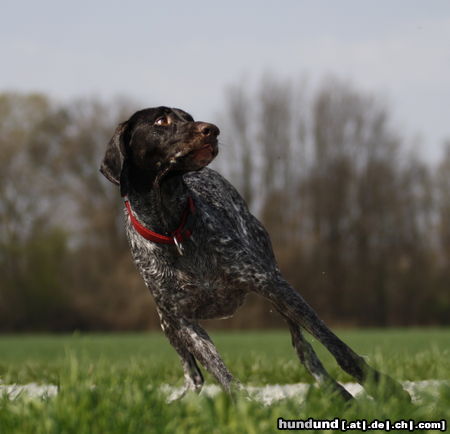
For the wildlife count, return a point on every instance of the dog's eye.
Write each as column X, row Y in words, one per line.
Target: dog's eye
column 162, row 121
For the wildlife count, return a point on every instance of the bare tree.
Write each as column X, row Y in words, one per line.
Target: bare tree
column 359, row 225
column 349, row 211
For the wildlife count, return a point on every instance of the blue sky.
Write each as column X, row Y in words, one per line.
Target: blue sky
column 184, row 54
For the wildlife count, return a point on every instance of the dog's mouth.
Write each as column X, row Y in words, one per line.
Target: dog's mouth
column 194, row 156
column 202, row 155
column 206, row 152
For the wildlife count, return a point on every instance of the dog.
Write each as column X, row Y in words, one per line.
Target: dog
column 200, row 251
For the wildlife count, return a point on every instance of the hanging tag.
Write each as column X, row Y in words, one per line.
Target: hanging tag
column 178, row 245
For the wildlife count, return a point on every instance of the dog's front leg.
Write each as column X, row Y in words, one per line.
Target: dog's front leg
column 192, row 374
column 197, row 346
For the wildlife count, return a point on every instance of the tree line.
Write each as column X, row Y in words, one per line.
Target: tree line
column 359, row 224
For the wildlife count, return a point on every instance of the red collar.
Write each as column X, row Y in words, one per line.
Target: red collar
column 183, row 232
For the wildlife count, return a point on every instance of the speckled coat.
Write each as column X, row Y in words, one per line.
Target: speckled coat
column 228, row 255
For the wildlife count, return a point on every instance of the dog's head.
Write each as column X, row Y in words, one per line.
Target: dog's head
column 160, row 139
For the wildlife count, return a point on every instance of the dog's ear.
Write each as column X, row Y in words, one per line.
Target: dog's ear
column 113, row 161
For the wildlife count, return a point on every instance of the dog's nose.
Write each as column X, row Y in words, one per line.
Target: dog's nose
column 207, row 129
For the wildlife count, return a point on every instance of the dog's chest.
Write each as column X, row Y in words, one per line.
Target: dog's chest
column 197, row 283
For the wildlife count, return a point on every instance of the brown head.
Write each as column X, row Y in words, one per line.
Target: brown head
column 157, row 141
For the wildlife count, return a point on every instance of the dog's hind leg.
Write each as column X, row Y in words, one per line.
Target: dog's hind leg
column 312, row 363
column 293, row 306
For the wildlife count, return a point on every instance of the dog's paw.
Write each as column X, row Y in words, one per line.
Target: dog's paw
column 176, row 393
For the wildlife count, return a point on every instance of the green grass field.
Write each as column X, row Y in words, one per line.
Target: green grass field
column 111, row 383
